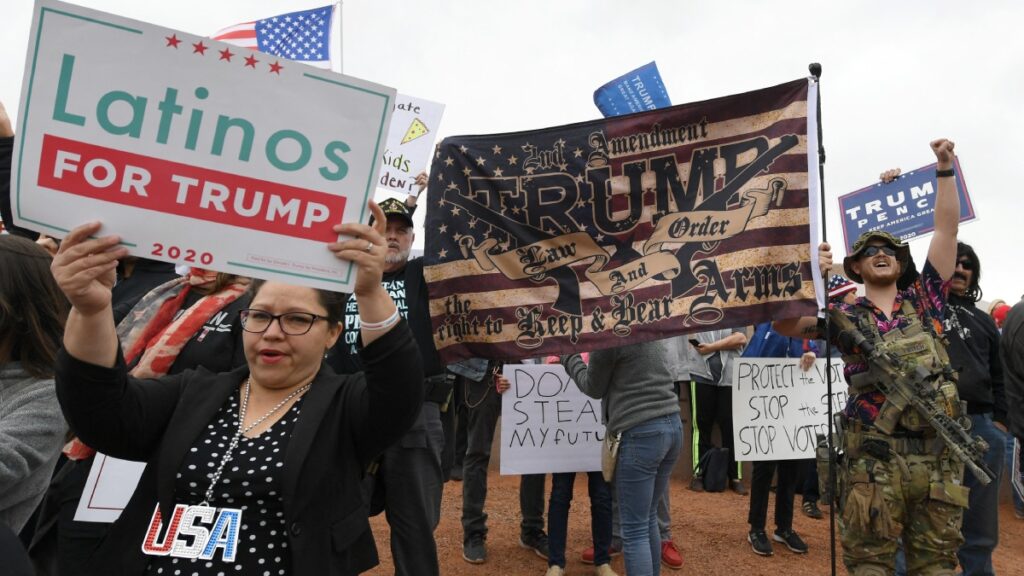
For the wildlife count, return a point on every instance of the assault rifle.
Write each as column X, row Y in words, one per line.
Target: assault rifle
column 907, row 386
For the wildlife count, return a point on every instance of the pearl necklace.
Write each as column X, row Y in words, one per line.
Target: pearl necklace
column 240, row 431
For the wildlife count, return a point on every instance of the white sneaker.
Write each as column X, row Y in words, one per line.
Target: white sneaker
column 604, row 570
column 555, row 570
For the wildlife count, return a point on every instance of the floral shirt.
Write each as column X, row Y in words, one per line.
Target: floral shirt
column 928, row 295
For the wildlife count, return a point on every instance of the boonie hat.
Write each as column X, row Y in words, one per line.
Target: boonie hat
column 902, row 252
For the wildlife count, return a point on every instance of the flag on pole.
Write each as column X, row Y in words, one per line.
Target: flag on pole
column 302, row 36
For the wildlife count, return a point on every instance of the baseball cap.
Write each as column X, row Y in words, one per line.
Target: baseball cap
column 393, row 207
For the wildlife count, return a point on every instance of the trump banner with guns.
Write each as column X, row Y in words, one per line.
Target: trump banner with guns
column 626, row 229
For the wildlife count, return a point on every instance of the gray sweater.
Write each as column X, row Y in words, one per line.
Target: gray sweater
column 31, row 434
column 634, row 382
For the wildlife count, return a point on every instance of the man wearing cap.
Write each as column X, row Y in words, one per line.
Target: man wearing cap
column 409, row 480
column 896, row 486
column 974, row 353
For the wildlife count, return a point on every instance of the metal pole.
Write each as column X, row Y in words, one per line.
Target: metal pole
column 815, row 70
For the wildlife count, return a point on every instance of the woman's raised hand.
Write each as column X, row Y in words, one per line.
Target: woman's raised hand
column 84, row 268
column 366, row 249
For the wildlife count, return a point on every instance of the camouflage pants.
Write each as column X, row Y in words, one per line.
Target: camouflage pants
column 916, row 497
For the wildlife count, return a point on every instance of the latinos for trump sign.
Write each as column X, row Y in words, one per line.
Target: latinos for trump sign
column 633, row 228
column 779, row 410
column 904, row 207
column 193, row 151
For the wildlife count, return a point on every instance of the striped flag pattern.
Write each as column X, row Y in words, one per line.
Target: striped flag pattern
column 302, row 36
column 622, row 230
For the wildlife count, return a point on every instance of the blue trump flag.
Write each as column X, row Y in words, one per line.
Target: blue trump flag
column 636, row 91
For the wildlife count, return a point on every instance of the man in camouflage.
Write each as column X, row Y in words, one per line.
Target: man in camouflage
column 893, row 485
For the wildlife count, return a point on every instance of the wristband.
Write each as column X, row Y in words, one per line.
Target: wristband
column 384, row 325
column 944, row 173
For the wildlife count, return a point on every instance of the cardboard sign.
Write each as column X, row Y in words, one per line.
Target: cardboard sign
column 904, row 207
column 778, row 409
column 194, row 151
column 108, row 489
column 547, row 424
column 410, row 144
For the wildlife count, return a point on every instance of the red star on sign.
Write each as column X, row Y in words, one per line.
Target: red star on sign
column 276, row 68
column 173, row 40
column 226, row 54
column 199, row 47
column 251, row 61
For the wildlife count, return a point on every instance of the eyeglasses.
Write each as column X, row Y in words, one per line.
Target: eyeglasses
column 965, row 264
column 873, row 250
column 291, row 323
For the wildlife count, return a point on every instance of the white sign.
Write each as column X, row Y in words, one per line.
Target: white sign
column 194, row 151
column 547, row 424
column 778, row 409
column 108, row 489
column 410, row 144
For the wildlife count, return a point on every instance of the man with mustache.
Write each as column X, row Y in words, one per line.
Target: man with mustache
column 897, row 481
column 409, row 479
column 974, row 353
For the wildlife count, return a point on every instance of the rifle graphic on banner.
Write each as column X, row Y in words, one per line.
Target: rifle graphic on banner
column 642, row 226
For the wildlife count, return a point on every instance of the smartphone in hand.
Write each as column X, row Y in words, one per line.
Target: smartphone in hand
column 694, row 342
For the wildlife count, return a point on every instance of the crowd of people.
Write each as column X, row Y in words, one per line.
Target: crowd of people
column 275, row 420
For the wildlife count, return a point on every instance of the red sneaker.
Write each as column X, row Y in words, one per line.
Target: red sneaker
column 670, row 555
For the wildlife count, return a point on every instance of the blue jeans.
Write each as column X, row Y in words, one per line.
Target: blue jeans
column 600, row 516
column 646, row 457
column 981, row 519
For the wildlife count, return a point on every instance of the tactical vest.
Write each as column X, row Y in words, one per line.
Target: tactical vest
column 915, row 346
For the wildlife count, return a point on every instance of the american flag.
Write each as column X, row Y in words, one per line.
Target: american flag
column 301, row 36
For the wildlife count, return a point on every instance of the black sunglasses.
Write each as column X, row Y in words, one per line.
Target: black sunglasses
column 873, row 250
column 965, row 264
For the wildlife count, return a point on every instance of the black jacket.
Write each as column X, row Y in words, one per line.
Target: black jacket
column 344, row 423
column 974, row 354
column 6, row 151
column 1012, row 345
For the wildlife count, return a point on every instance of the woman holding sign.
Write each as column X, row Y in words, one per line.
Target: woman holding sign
column 252, row 471
column 635, row 385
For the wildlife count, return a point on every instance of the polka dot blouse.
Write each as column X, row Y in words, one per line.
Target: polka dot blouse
column 252, row 481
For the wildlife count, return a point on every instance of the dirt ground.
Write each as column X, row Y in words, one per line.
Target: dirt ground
column 710, row 530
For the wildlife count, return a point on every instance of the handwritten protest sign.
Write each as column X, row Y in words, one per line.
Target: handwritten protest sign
column 625, row 229
column 904, row 207
column 108, row 489
column 410, row 143
column 778, row 409
column 194, row 151
column 547, row 424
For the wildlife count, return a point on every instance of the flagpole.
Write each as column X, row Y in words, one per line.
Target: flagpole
column 815, row 70
column 340, row 69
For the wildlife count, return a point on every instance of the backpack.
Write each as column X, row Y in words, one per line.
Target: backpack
column 714, row 467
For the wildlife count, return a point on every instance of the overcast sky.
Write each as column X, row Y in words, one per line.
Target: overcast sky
column 896, row 75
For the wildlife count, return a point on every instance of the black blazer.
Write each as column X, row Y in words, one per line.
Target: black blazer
column 345, row 422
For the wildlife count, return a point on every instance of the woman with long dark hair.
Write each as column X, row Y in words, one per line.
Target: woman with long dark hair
column 32, row 314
